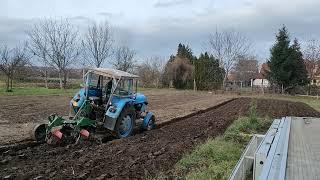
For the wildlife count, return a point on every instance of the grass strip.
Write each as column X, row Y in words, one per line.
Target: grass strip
column 216, row 158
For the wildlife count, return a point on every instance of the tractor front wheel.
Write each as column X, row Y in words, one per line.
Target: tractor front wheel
column 125, row 123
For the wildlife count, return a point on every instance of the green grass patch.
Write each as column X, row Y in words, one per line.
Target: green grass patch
column 36, row 91
column 212, row 160
column 216, row 158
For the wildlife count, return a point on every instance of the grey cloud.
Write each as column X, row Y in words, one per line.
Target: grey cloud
column 13, row 31
column 108, row 14
column 259, row 21
column 169, row 3
column 80, row 18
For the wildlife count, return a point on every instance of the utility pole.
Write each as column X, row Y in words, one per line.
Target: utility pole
column 83, row 71
column 194, row 78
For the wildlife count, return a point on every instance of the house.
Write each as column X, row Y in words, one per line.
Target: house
column 260, row 80
column 257, row 79
column 313, row 70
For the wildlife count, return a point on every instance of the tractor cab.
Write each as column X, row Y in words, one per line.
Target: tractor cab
column 105, row 86
column 111, row 94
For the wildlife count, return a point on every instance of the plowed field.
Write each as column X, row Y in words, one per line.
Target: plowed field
column 139, row 156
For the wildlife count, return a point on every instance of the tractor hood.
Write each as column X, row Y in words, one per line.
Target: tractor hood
column 137, row 99
column 141, row 98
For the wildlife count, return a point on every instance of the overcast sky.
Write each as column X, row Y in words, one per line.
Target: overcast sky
column 155, row 27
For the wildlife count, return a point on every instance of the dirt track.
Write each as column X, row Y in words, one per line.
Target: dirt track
column 18, row 114
column 141, row 155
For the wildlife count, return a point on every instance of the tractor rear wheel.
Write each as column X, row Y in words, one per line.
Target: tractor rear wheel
column 125, row 123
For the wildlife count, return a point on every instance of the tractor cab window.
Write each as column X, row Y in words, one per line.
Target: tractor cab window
column 108, row 87
column 124, row 87
column 94, row 86
column 94, row 81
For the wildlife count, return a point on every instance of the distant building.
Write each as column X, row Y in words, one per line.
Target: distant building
column 313, row 70
column 260, row 80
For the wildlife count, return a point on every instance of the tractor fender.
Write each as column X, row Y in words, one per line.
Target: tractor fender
column 112, row 116
column 148, row 117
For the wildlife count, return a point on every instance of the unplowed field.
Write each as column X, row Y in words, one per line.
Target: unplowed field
column 139, row 156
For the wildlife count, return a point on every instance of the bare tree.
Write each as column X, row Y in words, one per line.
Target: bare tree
column 246, row 68
column 124, row 59
column 312, row 58
column 97, row 43
column 227, row 46
column 150, row 71
column 11, row 61
column 55, row 42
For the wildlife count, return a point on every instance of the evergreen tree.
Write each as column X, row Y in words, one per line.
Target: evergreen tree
column 286, row 63
column 185, row 52
column 299, row 74
column 279, row 55
column 208, row 73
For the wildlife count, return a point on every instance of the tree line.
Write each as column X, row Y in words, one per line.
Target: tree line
column 186, row 71
column 289, row 67
column 211, row 69
column 58, row 44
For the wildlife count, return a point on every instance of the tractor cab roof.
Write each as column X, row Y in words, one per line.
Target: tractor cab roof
column 113, row 73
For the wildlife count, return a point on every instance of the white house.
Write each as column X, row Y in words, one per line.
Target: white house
column 261, row 83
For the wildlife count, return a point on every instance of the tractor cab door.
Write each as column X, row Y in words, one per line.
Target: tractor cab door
column 94, row 85
column 108, row 88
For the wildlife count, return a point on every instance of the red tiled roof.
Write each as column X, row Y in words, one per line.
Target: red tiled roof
column 232, row 76
column 264, row 69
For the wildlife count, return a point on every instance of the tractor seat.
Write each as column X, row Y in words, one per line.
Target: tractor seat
column 94, row 98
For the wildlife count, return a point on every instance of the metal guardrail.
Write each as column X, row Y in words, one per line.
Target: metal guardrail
column 276, row 161
column 267, row 156
column 262, row 151
column 246, row 161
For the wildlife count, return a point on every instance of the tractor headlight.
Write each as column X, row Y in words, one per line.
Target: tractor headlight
column 113, row 109
column 74, row 103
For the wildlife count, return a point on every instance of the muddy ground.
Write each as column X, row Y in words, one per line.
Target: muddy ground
column 18, row 114
column 140, row 156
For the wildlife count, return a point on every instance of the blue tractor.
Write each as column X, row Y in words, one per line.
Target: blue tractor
column 107, row 103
